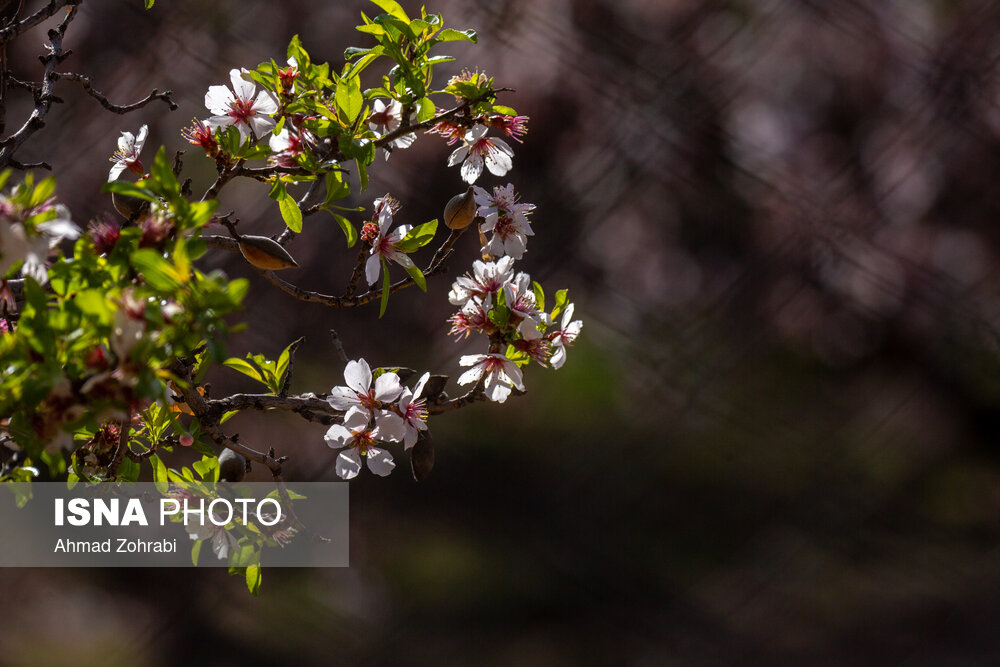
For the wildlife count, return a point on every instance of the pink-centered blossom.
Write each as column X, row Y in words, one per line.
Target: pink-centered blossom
column 521, row 300
column 568, row 330
column 414, row 412
column 356, row 438
column 384, row 243
column 127, row 155
column 386, row 119
column 500, row 373
column 506, row 219
column 251, row 115
column 474, row 316
column 478, row 150
column 361, row 394
column 487, row 279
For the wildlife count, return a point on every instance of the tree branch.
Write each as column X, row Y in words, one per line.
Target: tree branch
column 115, row 108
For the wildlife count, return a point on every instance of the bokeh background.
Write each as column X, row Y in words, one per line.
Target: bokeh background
column 776, row 441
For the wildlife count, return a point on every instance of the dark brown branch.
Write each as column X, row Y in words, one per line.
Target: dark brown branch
column 40, row 16
column 45, row 96
column 436, row 266
column 116, row 108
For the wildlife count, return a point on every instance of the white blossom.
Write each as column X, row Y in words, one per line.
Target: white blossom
column 386, row 119
column 384, row 243
column 569, row 329
column 414, row 410
column 361, row 394
column 251, row 116
column 477, row 149
column 487, row 279
column 501, row 374
column 127, row 155
column 356, row 438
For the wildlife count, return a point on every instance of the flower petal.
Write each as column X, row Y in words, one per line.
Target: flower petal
column 472, row 168
column 337, row 436
column 387, row 387
column 358, row 375
column 348, row 463
column 373, row 267
column 218, row 99
column 390, row 426
column 379, row 461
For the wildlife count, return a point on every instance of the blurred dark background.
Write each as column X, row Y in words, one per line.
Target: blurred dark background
column 776, row 441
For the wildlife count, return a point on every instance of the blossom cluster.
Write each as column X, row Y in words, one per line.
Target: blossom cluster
column 506, row 306
column 377, row 410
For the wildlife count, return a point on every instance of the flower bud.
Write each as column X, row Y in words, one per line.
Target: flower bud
column 460, row 210
column 232, row 466
column 131, row 208
column 265, row 253
column 187, row 440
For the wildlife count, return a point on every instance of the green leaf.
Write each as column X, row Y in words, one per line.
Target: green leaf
column 253, row 579
column 385, row 289
column 501, row 109
column 349, row 98
column 128, row 470
column 244, row 367
column 425, row 109
column 393, row 8
column 130, row 189
column 562, row 298
column 450, row 35
column 162, row 174
column 336, row 187
column 539, row 294
column 349, row 230
column 157, row 272
column 160, row 476
column 290, row 211
column 418, row 237
column 207, row 468
column 418, row 277
column 195, row 552
column 149, row 3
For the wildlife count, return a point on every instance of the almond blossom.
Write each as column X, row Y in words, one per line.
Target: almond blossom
column 487, row 279
column 506, row 218
column 501, row 374
column 251, row 116
column 477, row 149
column 474, row 316
column 521, row 300
column 569, row 329
column 384, row 243
column 127, row 155
column 362, row 395
column 356, row 438
column 414, row 411
column 387, row 119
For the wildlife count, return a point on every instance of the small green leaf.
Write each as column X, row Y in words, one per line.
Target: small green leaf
column 195, row 552
column 349, row 98
column 244, row 367
column 253, row 579
column 539, row 294
column 349, row 231
column 418, row 277
column 160, row 476
column 290, row 211
column 450, row 35
column 418, row 237
column 385, row 289
column 392, row 7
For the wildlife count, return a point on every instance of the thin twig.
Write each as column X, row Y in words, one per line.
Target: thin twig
column 116, row 108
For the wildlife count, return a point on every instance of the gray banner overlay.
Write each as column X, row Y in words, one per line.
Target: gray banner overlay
column 153, row 525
